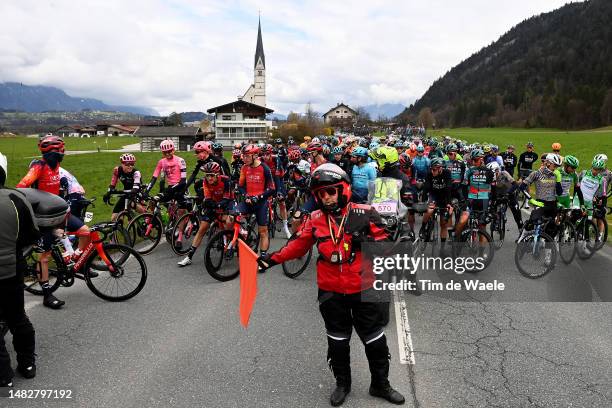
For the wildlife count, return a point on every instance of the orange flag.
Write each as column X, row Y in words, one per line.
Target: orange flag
column 248, row 281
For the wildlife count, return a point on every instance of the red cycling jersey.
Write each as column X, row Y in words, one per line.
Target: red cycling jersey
column 256, row 180
column 174, row 169
column 350, row 276
column 219, row 191
column 42, row 177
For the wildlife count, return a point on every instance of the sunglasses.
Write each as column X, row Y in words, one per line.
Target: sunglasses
column 211, row 175
column 128, row 164
column 556, row 151
column 330, row 191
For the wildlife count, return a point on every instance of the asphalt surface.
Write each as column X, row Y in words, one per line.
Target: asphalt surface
column 538, row 343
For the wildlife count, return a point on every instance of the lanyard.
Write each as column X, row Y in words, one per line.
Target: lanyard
column 336, row 237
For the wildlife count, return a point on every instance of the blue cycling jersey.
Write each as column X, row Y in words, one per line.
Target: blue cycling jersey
column 420, row 165
column 360, row 178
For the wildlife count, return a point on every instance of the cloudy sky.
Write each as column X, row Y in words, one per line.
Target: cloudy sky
column 184, row 55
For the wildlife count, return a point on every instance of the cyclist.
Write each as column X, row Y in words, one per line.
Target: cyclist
column 298, row 175
column 217, row 149
column 455, row 164
column 420, row 164
column 236, row 165
column 361, row 174
column 438, row 188
column 556, row 149
column 480, row 182
column 174, row 169
column 339, row 160
column 315, row 149
column 72, row 191
column 509, row 159
column 130, row 178
column 525, row 163
column 44, row 175
column 275, row 164
column 593, row 191
column 569, row 179
column 204, row 153
column 256, row 185
column 338, row 229
column 547, row 182
column 505, row 185
column 218, row 195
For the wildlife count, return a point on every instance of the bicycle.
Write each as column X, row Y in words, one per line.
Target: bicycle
column 475, row 240
column 534, row 245
column 430, row 233
column 222, row 251
column 566, row 234
column 295, row 267
column 498, row 221
column 118, row 266
column 145, row 230
column 587, row 235
column 188, row 225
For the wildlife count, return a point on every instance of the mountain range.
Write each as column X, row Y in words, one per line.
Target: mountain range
column 20, row 97
column 385, row 110
column 551, row 70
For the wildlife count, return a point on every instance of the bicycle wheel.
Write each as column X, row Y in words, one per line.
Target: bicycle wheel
column 602, row 238
column 31, row 276
column 498, row 229
column 145, row 232
column 476, row 244
column 434, row 236
column 186, row 227
column 221, row 262
column 586, row 235
column 295, row 267
column 127, row 279
column 535, row 258
column 121, row 235
column 566, row 238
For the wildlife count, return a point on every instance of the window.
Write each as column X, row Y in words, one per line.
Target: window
column 338, row 111
column 228, row 117
column 345, row 111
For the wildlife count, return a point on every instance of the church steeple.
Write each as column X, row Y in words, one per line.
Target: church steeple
column 259, row 51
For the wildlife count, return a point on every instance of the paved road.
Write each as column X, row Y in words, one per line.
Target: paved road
column 179, row 343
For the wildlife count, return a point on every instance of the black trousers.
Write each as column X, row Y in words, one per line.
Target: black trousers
column 360, row 310
column 13, row 314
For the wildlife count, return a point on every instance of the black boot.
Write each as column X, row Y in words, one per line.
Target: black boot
column 27, row 371
column 339, row 360
column 49, row 300
column 378, row 356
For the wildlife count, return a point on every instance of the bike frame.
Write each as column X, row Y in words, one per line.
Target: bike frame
column 94, row 245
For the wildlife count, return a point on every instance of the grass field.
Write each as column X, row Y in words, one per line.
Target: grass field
column 94, row 170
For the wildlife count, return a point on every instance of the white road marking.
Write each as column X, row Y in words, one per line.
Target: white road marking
column 404, row 336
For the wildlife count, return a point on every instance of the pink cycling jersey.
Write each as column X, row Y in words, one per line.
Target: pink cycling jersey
column 174, row 169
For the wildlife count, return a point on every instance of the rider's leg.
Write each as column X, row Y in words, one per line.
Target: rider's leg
column 261, row 213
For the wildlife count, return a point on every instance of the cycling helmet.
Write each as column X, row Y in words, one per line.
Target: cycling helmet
column 294, row 154
column 436, row 162
column 236, row 146
column 202, row 146
column 529, row 144
column 493, row 166
column 211, row 167
column 166, row 146
column 399, row 144
column 554, row 159
column 601, row 157
column 487, row 149
column 51, row 143
column 476, row 153
column 373, row 145
column 451, row 148
column 598, row 164
column 413, row 147
column 330, row 175
column 236, row 153
column 316, row 140
column 571, row 161
column 337, row 150
column 278, row 141
column 127, row 158
column 363, row 142
column 556, row 146
column 420, row 149
column 405, row 160
column 307, row 139
column 315, row 147
column 360, row 152
column 217, row 146
column 250, row 149
column 266, row 149
column 440, row 145
column 495, row 148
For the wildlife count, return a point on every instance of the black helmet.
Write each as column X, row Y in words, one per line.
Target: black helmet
column 331, row 175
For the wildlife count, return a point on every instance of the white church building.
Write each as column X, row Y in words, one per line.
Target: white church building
column 245, row 118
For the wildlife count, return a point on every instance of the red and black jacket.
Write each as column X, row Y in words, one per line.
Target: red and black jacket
column 362, row 223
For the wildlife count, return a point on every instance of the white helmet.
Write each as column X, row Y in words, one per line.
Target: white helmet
column 315, row 140
column 601, row 157
column 493, row 166
column 554, row 159
column 4, row 166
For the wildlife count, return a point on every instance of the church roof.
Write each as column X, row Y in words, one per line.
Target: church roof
column 259, row 51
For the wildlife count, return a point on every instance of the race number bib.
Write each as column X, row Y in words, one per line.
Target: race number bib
column 385, row 208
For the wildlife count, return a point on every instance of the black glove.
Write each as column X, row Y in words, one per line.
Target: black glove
column 106, row 198
column 265, row 262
